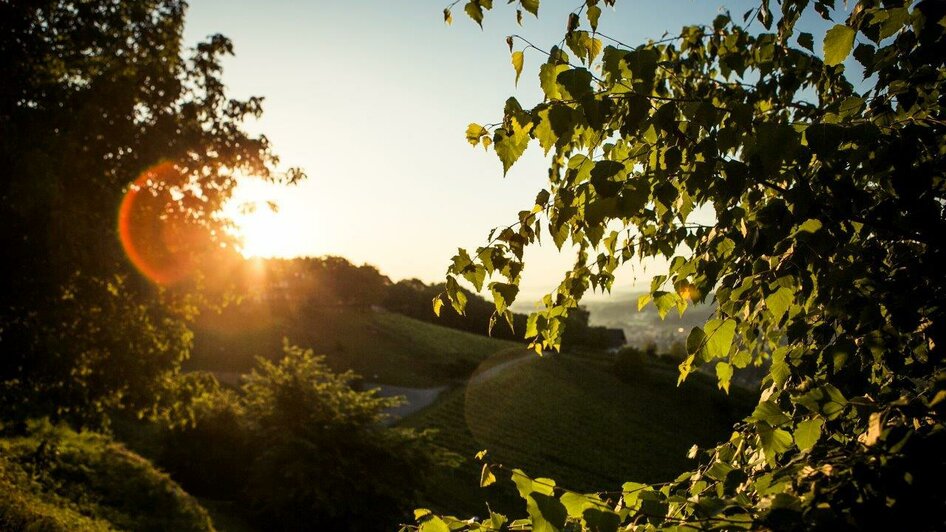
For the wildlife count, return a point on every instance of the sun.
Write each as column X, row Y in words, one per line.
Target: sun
column 264, row 233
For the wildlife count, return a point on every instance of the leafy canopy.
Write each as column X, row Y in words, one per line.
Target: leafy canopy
column 823, row 262
column 99, row 99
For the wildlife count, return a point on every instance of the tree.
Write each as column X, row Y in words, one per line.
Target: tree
column 117, row 151
column 824, row 259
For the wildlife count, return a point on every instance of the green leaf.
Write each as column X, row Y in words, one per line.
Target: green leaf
column 486, row 476
column 806, row 40
column 517, row 59
column 497, row 521
column 474, row 11
column 770, row 413
column 576, row 83
column 724, row 375
column 838, row 42
column 810, row 225
column 503, row 295
column 532, row 6
column 601, row 519
column 510, row 146
column 778, row 302
column 807, row 433
column 773, row 441
column 593, row 13
column 434, row 524
column 664, row 301
column 825, row 400
column 719, row 338
column 474, row 132
column 548, row 79
column 601, row 178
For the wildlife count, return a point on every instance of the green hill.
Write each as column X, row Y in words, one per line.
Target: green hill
column 55, row 479
column 383, row 347
column 571, row 419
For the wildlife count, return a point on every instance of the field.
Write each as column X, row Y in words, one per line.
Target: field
column 568, row 418
column 383, row 347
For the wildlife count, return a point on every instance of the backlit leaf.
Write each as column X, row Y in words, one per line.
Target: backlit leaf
column 838, row 42
column 517, row 59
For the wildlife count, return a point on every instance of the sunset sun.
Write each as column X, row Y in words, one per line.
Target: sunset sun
column 263, row 232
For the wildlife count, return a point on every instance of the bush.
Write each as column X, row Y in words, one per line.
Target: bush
column 300, row 448
column 630, row 363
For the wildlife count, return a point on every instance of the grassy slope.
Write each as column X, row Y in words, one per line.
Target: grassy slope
column 570, row 419
column 383, row 347
column 58, row 480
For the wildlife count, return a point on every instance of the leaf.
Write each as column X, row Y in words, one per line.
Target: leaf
column 517, row 59
column 532, row 6
column 773, row 441
column 503, row 295
column 724, row 375
column 486, row 476
column 664, row 301
column 548, row 79
column 807, row 433
column 438, row 304
column 643, row 300
column 497, row 521
column 420, row 513
column 510, row 146
column 474, row 11
column 601, row 178
column 576, row 82
column 473, row 133
column 593, row 13
column 810, row 225
column 719, row 338
column 770, row 413
column 806, row 40
column 434, row 524
column 825, row 400
column 838, row 42
column 447, row 16
column 778, row 302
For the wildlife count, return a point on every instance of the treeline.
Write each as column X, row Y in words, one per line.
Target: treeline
column 294, row 285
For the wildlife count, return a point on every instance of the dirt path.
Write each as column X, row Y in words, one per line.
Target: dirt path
column 417, row 399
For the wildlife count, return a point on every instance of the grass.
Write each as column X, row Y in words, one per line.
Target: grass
column 383, row 347
column 56, row 479
column 570, row 419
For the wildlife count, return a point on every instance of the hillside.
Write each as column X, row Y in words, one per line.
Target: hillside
column 55, row 479
column 383, row 347
column 569, row 418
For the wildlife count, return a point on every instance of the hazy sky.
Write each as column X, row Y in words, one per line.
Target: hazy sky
column 372, row 99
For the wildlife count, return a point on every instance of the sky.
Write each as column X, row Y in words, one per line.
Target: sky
column 372, row 99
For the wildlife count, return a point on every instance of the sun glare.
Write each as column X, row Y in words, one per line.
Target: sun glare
column 264, row 234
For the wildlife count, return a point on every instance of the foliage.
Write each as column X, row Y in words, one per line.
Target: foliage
column 53, row 478
column 99, row 102
column 300, row 449
column 824, row 258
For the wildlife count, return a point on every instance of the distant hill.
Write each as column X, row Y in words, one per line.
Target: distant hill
column 645, row 326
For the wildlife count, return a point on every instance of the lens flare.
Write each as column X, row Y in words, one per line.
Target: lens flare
column 155, row 231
